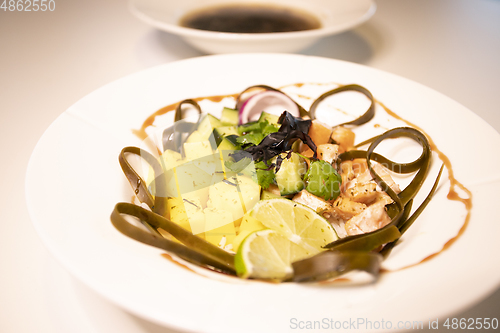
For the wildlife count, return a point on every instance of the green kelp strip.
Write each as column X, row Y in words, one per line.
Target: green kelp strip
column 358, row 252
column 330, row 264
column 178, row 110
column 174, row 136
column 193, row 248
column 364, row 118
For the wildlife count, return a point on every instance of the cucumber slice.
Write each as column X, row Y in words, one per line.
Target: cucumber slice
column 196, row 136
column 227, row 144
column 266, row 195
column 229, row 117
column 233, row 139
column 271, row 118
column 207, row 125
column 289, row 176
column 223, row 131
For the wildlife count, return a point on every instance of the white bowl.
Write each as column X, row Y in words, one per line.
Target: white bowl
column 335, row 16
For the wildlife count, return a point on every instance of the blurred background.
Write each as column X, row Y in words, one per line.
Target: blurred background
column 51, row 59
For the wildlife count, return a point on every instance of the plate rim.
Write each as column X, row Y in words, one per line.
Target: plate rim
column 63, row 260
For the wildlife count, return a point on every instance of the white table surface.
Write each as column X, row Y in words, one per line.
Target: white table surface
column 49, row 60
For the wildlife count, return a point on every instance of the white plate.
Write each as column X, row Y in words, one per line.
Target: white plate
column 74, row 180
column 336, row 16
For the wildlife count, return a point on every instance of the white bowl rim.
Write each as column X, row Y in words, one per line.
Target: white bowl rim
column 313, row 33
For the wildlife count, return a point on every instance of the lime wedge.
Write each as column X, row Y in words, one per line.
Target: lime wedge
column 296, row 222
column 264, row 254
column 295, row 232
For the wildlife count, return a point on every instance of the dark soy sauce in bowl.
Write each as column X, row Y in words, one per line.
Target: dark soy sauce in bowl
column 250, row 18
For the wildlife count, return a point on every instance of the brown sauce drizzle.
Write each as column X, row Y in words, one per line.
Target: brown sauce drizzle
column 452, row 193
column 141, row 133
column 380, row 126
column 169, row 258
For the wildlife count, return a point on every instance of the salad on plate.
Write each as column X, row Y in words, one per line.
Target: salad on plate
column 270, row 190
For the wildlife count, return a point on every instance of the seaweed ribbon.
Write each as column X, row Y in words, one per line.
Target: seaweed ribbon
column 364, row 118
column 360, row 248
column 195, row 249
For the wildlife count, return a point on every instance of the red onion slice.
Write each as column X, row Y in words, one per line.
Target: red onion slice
column 272, row 102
